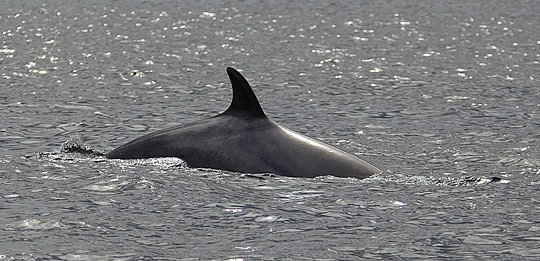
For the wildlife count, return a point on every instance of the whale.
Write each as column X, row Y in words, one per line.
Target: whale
column 243, row 139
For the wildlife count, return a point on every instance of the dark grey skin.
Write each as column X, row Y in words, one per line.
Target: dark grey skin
column 243, row 139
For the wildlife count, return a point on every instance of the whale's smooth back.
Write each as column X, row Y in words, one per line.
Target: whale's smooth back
column 243, row 139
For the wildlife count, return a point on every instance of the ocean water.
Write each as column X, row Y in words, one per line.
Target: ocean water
column 443, row 97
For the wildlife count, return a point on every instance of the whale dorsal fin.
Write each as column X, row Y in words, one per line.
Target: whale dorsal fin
column 244, row 102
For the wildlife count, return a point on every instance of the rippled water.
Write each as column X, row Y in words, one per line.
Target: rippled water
column 443, row 97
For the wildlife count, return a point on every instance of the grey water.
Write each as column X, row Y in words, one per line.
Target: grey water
column 443, row 97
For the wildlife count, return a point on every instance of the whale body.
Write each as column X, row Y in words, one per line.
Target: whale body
column 243, row 139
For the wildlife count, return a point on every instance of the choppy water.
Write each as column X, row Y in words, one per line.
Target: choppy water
column 443, row 97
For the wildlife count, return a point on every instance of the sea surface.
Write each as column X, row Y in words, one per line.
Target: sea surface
column 444, row 97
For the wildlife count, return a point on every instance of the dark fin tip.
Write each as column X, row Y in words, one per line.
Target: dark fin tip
column 244, row 102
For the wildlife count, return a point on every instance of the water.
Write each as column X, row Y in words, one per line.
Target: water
column 443, row 97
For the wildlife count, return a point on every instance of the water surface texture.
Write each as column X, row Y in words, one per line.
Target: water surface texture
column 444, row 98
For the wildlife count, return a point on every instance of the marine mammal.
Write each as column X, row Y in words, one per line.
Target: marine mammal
column 243, row 139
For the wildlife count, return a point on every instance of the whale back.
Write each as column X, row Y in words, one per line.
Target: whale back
column 243, row 139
